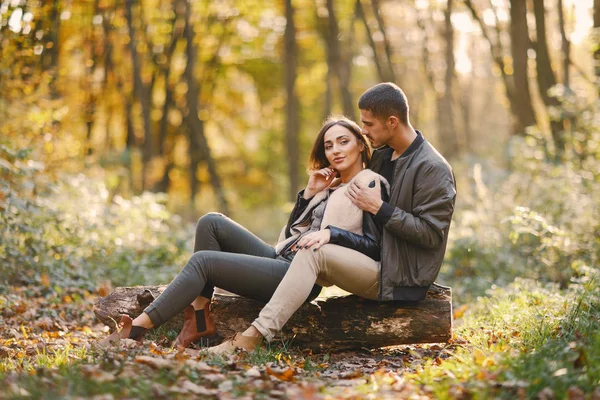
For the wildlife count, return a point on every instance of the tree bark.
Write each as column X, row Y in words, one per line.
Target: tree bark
column 360, row 12
column 339, row 64
column 163, row 150
column 142, row 93
column 198, row 145
column 565, row 46
column 497, row 52
column 597, row 44
column 323, row 325
column 446, row 122
column 447, row 136
column 545, row 75
column 390, row 74
column 292, row 123
column 519, row 36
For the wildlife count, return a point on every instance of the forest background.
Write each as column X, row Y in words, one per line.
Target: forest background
column 122, row 122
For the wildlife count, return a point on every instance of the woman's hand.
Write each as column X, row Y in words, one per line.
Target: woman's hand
column 314, row 240
column 319, row 180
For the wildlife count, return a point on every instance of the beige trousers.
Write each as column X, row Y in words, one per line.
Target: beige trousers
column 330, row 265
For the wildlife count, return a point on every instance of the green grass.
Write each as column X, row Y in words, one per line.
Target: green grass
column 520, row 340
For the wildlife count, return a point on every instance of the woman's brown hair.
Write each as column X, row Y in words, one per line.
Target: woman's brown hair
column 318, row 160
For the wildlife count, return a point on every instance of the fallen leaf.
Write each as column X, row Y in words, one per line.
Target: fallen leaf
column 357, row 373
column 45, row 280
column 154, row 362
column 286, row 375
column 545, row 394
column 253, row 373
column 575, row 393
column 197, row 389
column 200, row 365
column 226, row 386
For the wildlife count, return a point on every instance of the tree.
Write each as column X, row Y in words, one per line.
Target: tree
column 142, row 92
column 292, row 123
column 446, row 128
column 339, row 66
column 519, row 38
column 198, row 146
column 545, row 74
column 597, row 44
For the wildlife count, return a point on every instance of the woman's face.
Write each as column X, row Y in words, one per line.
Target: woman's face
column 342, row 148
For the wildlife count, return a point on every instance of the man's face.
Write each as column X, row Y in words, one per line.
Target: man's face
column 374, row 129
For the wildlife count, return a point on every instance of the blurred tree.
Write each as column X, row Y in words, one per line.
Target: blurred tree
column 141, row 89
column 597, row 43
column 339, row 66
column 198, row 146
column 520, row 43
column 443, row 88
column 565, row 46
column 381, row 72
column 165, row 142
column 292, row 124
column 390, row 74
column 545, row 75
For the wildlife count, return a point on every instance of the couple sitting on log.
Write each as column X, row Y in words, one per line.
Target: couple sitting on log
column 380, row 233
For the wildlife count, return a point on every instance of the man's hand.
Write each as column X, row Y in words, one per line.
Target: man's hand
column 366, row 198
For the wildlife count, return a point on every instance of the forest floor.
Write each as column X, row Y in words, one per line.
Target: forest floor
column 47, row 350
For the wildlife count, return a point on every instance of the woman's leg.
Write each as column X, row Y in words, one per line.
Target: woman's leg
column 215, row 231
column 346, row 268
column 343, row 267
column 249, row 276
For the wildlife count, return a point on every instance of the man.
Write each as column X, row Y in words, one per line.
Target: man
column 417, row 217
column 416, row 221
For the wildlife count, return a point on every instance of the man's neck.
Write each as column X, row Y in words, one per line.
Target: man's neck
column 402, row 140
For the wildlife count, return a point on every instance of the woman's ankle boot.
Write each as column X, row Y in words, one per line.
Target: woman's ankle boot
column 196, row 325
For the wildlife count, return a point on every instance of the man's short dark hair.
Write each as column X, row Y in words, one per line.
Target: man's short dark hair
column 384, row 100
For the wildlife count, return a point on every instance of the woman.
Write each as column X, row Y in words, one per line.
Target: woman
column 228, row 256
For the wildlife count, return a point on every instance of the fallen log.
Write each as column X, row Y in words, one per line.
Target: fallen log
column 324, row 324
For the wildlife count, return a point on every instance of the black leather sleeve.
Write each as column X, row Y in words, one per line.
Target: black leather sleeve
column 364, row 244
column 299, row 207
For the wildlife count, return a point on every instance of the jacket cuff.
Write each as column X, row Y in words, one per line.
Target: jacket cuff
column 385, row 212
column 334, row 234
column 301, row 200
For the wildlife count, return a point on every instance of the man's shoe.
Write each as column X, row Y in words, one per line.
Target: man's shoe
column 189, row 332
column 239, row 341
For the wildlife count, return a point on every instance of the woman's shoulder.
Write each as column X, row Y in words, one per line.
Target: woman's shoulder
column 366, row 176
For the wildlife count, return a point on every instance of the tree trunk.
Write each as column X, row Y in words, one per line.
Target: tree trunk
column 545, row 75
column 292, row 123
column 390, row 74
column 198, row 145
column 361, row 14
column 323, row 325
column 142, row 93
column 339, row 64
column 108, row 75
column 163, row 149
column 565, row 46
column 466, row 94
column 497, row 52
column 519, row 36
column 447, row 128
column 597, row 44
